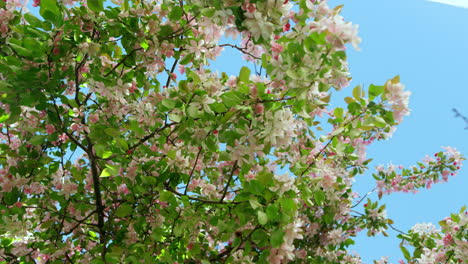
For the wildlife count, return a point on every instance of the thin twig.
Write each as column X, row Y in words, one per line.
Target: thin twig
column 198, row 199
column 364, row 197
column 234, row 167
column 193, row 169
column 122, row 61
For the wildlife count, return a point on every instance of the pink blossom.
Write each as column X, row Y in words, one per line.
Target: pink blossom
column 232, row 81
column 448, row 240
column 276, row 48
column 259, row 108
column 94, row 118
column 181, row 68
column 123, row 189
column 63, row 138
column 75, row 127
column 36, row 3
column 133, row 88
column 50, row 129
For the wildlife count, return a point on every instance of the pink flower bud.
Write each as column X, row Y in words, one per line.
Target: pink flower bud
column 75, row 127
column 276, row 48
column 259, row 108
column 94, row 118
column 50, row 129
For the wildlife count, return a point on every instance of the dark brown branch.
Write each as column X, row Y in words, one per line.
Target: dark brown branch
column 122, row 61
column 191, row 172
column 97, row 195
column 234, row 167
column 198, row 199
column 171, row 72
column 243, row 50
column 147, row 137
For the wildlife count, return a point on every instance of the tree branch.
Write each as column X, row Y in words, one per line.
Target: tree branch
column 122, row 61
column 234, row 167
column 198, row 199
column 98, row 198
column 191, row 172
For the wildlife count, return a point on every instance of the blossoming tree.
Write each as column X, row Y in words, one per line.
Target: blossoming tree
column 120, row 144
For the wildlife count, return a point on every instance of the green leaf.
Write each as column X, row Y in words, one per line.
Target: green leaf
column 172, row 154
column 105, row 173
column 31, row 44
column 186, row 59
column 37, row 140
column 193, row 111
column 244, row 74
column 165, row 31
column 358, row 93
column 293, row 74
column 122, row 143
column 124, row 210
column 4, row 118
column 102, row 151
column 319, row 197
column 379, row 121
column 218, row 107
column 231, row 99
column 339, row 112
column 113, row 132
column 4, row 86
column 349, row 100
column 254, row 203
column 110, row 170
column 208, row 12
column 50, row 11
column 260, row 237
column 288, row 204
column 175, row 118
column 262, row 217
column 21, row 50
column 406, row 253
column 176, row 13
column 95, row 5
column 375, row 90
column 277, row 238
column 144, row 45
column 33, row 20
column 168, row 103
column 354, row 108
column 165, row 196
column 272, row 212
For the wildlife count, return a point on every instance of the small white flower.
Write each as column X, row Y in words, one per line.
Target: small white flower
column 424, row 229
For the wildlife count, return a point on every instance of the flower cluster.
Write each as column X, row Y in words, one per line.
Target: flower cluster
column 424, row 175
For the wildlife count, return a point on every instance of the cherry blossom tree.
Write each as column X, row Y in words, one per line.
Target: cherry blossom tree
column 120, row 143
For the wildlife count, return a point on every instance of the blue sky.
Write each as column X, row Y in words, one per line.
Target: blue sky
column 426, row 43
